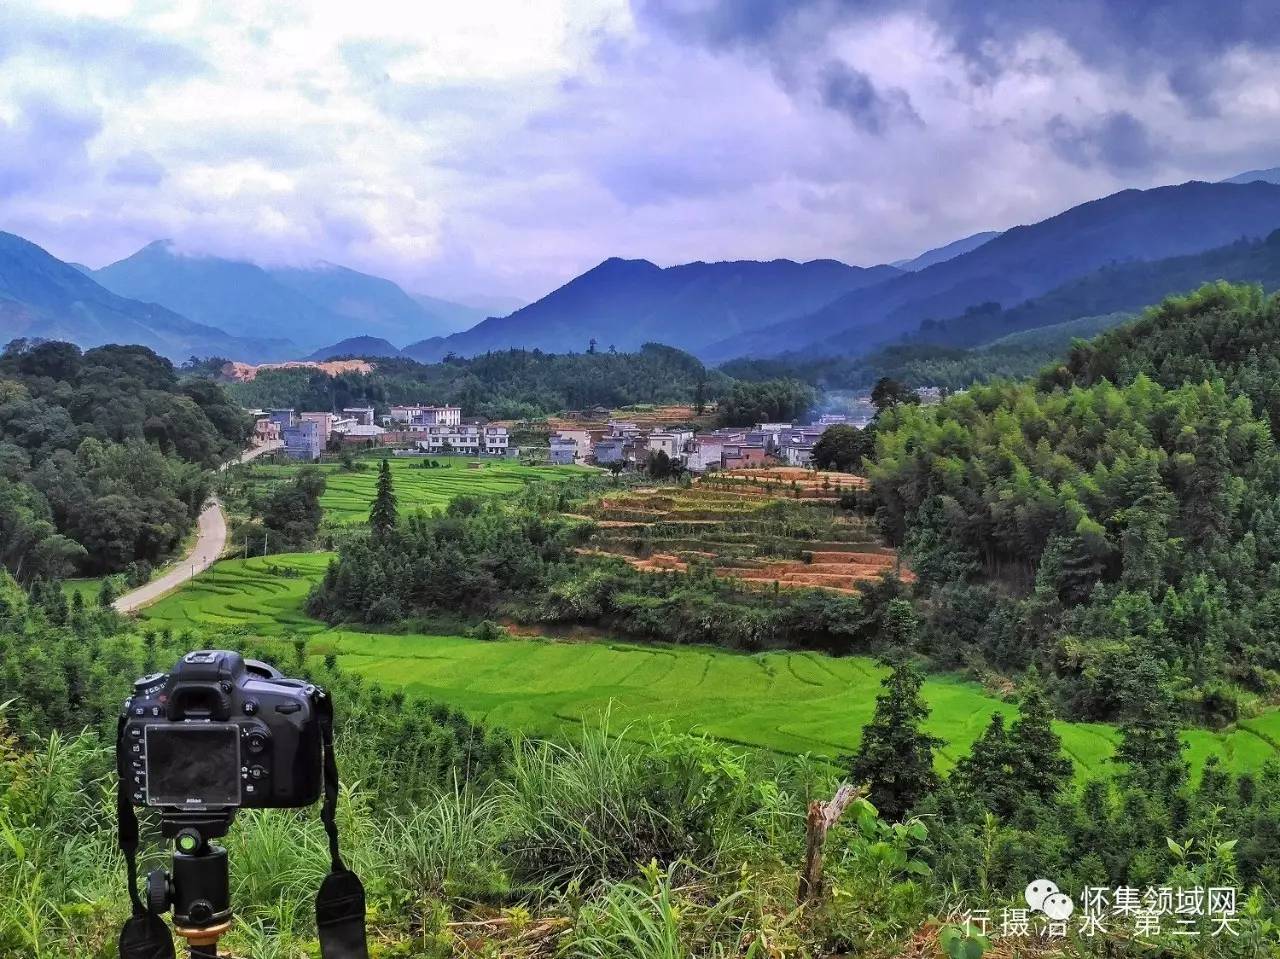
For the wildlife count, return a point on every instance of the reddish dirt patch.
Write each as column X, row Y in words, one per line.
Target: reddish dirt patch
column 246, row 372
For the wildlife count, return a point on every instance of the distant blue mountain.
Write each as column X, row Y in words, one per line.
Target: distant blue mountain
column 1271, row 175
column 948, row 252
column 626, row 303
column 1023, row 263
column 369, row 347
column 310, row 306
column 41, row 296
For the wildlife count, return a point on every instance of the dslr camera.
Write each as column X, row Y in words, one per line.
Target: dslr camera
column 221, row 732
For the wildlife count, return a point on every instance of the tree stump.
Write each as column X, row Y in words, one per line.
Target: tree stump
column 821, row 817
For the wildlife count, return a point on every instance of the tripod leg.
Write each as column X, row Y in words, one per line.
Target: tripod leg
column 206, row 951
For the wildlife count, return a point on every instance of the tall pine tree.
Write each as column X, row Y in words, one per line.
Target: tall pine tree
column 1041, row 768
column 1149, row 742
column 383, row 515
column 895, row 757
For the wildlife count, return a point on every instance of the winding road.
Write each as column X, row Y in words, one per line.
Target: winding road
column 211, row 539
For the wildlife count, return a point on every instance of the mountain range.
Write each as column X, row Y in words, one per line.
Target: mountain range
column 626, row 303
column 309, row 307
column 41, row 296
column 1115, row 253
column 947, row 252
column 1022, row 263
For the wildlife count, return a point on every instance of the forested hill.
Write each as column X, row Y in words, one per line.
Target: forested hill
column 1124, row 287
column 103, row 456
column 1221, row 332
column 508, row 384
column 1116, row 524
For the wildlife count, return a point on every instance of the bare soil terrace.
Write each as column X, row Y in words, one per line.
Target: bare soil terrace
column 778, row 527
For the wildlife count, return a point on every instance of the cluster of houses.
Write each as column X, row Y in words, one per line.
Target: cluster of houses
column 414, row 430
column 625, row 443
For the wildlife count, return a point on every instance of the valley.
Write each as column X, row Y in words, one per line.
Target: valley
column 551, row 686
column 348, row 493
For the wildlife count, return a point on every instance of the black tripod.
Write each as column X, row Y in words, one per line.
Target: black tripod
column 197, row 886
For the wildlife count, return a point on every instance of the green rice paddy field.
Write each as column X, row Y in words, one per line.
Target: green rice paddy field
column 786, row 702
column 348, row 495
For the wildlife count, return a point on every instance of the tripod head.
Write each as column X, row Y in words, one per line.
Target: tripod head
column 197, row 886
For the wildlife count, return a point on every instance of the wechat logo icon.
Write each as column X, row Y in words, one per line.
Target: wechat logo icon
column 1044, row 896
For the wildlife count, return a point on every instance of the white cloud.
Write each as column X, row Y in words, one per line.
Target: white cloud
column 502, row 147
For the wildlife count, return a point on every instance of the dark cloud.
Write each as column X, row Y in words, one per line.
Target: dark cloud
column 1140, row 37
column 1117, row 141
column 852, row 93
column 723, row 23
column 138, row 168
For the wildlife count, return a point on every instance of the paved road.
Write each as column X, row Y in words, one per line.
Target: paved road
column 211, row 539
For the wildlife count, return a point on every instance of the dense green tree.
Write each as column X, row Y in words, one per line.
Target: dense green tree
column 508, row 384
column 771, row 401
column 1040, row 768
column 895, row 755
column 383, row 514
column 990, row 771
column 106, row 451
column 888, row 393
column 842, row 447
column 1150, row 746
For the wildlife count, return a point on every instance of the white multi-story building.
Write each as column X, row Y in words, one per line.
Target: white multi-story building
column 417, row 418
column 465, row 440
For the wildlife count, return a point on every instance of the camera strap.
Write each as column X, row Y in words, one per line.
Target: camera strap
column 340, row 905
column 144, row 934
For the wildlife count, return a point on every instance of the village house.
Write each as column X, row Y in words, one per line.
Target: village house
column 362, row 434
column 614, row 449
column 324, row 421
column 416, row 418
column 465, row 439
column 795, row 447
column 565, row 450
column 302, row 440
column 265, row 430
column 705, row 452
column 744, row 455
column 363, row 415
column 571, row 446
column 672, row 442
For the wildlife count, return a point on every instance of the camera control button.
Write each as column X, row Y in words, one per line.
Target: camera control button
column 250, row 707
column 256, row 742
column 139, row 710
column 257, row 772
column 135, row 732
column 288, row 707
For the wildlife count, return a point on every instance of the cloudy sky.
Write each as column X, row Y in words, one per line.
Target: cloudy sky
column 487, row 147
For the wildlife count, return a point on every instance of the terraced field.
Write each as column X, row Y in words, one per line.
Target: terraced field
column 348, row 495
column 786, row 702
column 760, row 526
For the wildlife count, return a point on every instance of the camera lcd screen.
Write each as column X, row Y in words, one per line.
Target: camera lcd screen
column 194, row 765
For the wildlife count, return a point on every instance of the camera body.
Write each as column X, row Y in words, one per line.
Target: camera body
column 220, row 732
